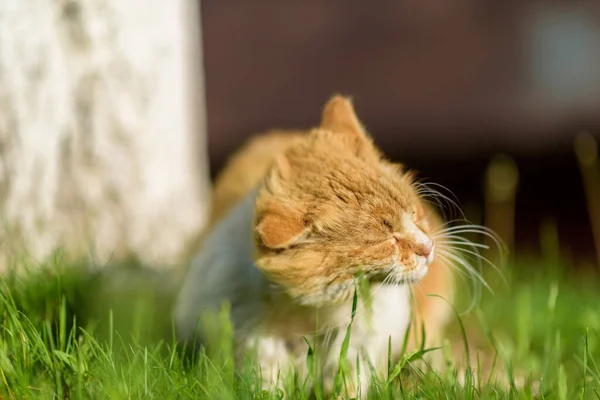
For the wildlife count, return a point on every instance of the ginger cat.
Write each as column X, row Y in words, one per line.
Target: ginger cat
column 295, row 218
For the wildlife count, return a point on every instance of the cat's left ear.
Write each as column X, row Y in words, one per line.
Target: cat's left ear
column 339, row 116
column 279, row 227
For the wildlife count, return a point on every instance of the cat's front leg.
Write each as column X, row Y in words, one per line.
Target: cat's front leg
column 357, row 375
column 273, row 357
column 372, row 332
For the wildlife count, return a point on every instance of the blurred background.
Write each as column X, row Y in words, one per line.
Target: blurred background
column 442, row 87
column 106, row 107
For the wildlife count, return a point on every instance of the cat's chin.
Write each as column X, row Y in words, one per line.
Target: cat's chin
column 403, row 278
column 415, row 275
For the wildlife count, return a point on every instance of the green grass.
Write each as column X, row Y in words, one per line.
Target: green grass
column 66, row 334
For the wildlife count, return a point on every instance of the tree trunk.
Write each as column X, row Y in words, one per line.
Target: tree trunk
column 102, row 127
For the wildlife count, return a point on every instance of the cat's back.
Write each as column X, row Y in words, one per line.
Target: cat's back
column 222, row 270
column 246, row 168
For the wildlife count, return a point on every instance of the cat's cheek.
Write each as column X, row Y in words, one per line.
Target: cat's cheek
column 384, row 255
column 373, row 253
column 384, row 251
column 407, row 260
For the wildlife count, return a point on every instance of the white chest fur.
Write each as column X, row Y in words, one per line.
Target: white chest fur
column 224, row 271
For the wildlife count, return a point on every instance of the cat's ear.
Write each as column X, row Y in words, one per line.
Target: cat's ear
column 339, row 116
column 279, row 227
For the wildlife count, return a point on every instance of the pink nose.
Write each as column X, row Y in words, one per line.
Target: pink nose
column 426, row 248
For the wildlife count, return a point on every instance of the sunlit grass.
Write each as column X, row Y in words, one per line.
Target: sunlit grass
column 65, row 334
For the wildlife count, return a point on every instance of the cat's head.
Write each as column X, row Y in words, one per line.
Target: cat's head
column 333, row 208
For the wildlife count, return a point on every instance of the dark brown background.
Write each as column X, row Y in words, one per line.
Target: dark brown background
column 440, row 87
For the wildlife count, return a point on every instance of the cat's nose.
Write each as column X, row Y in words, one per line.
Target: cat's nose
column 426, row 248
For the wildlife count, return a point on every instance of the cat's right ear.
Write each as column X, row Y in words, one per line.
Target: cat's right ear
column 339, row 116
column 279, row 227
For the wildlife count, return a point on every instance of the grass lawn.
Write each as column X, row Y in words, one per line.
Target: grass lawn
column 70, row 335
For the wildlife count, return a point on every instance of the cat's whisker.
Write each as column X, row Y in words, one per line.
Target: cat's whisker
column 456, row 249
column 471, row 277
column 468, row 267
column 385, row 281
column 429, row 184
column 479, row 228
column 463, row 274
column 424, row 188
column 451, row 252
column 467, row 279
column 436, row 200
column 479, row 256
column 459, row 243
column 466, row 243
column 468, row 225
column 432, row 202
column 453, row 228
column 473, row 285
column 439, row 196
column 474, row 229
column 463, row 221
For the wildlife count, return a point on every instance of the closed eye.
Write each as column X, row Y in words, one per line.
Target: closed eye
column 388, row 225
column 417, row 214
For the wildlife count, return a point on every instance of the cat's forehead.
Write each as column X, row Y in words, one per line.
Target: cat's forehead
column 318, row 172
column 364, row 190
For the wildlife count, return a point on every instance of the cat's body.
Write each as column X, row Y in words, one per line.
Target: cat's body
column 284, row 248
column 259, row 311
